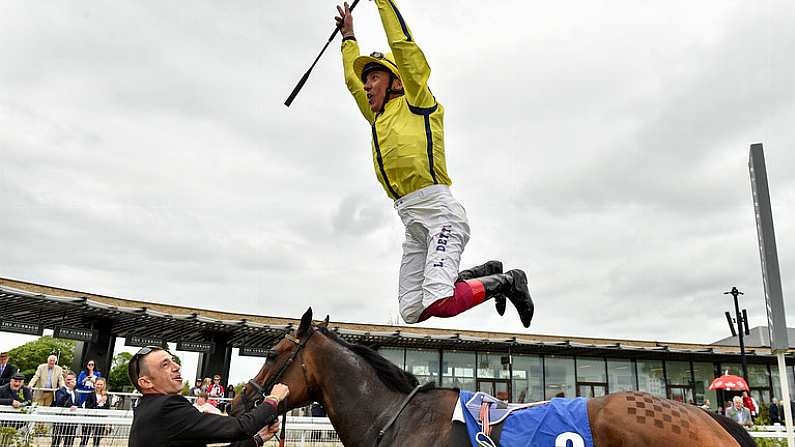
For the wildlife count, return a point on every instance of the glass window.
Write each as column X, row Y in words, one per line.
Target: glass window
column 590, row 369
column 774, row 377
column 777, row 385
column 678, row 373
column 758, row 376
column 791, row 379
column 394, row 355
column 559, row 377
column 490, row 365
column 620, row 375
column 458, row 370
column 650, row 377
column 704, row 374
column 734, row 369
column 527, row 381
column 423, row 363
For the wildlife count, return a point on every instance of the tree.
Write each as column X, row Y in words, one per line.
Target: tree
column 33, row 353
column 118, row 380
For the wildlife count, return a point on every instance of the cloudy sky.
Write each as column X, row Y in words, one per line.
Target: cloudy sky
column 602, row 146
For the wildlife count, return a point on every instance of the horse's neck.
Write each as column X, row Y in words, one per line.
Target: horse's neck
column 358, row 404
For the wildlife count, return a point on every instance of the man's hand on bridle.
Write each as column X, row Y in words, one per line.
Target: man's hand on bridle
column 280, row 391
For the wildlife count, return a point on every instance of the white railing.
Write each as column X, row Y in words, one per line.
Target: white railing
column 40, row 425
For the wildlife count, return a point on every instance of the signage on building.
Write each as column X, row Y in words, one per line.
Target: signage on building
column 254, row 351
column 21, row 327
column 74, row 333
column 196, row 346
column 141, row 341
column 771, row 276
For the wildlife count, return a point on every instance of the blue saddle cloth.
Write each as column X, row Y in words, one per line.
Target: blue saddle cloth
column 561, row 422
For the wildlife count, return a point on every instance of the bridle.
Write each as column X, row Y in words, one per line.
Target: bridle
column 263, row 390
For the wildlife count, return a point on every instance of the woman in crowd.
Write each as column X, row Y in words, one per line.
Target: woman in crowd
column 229, row 393
column 215, row 391
column 86, row 380
column 97, row 399
column 203, row 406
column 197, row 388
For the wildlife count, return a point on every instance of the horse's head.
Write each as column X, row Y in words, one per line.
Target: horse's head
column 286, row 363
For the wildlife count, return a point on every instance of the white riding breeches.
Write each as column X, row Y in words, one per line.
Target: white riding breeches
column 437, row 231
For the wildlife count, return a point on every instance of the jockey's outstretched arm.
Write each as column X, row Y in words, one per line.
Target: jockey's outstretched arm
column 413, row 67
column 350, row 51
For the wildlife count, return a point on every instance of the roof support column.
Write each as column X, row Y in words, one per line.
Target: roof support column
column 218, row 361
column 99, row 349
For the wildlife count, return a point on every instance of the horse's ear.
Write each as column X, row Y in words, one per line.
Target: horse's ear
column 324, row 323
column 306, row 323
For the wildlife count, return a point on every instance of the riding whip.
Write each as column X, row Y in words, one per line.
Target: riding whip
column 303, row 79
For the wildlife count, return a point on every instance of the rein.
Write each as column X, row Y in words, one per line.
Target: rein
column 418, row 388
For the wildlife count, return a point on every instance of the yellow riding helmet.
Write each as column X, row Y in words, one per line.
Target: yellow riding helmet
column 363, row 65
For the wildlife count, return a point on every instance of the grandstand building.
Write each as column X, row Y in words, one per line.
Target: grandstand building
column 517, row 367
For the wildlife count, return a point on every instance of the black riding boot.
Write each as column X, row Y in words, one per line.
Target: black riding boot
column 513, row 284
column 489, row 268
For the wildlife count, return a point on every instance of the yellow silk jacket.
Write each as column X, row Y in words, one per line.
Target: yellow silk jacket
column 408, row 136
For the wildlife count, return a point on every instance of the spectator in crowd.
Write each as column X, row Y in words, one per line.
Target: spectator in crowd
column 749, row 403
column 215, row 391
column 706, row 405
column 7, row 370
column 86, row 380
column 203, row 406
column 206, row 384
column 738, row 413
column 95, row 400
column 15, row 393
column 229, row 393
column 775, row 412
column 48, row 375
column 65, row 397
column 164, row 418
column 317, row 410
column 726, row 407
column 197, row 388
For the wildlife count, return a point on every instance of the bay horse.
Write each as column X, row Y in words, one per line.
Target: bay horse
column 371, row 402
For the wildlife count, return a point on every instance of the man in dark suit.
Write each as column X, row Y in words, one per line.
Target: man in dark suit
column 164, row 418
column 14, row 393
column 7, row 370
column 65, row 397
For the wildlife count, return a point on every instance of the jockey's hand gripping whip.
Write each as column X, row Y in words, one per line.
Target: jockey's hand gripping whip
column 303, row 79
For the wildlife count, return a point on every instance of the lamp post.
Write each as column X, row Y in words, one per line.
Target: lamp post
column 742, row 327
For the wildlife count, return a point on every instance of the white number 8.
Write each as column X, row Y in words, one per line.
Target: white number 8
column 563, row 440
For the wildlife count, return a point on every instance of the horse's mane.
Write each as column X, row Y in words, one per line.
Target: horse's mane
column 390, row 375
column 738, row 432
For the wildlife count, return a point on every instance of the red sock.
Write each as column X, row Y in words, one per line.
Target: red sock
column 466, row 295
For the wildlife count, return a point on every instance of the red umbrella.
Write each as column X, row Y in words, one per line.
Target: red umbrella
column 730, row 383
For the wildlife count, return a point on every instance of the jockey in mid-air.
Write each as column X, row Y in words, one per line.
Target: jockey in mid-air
column 407, row 124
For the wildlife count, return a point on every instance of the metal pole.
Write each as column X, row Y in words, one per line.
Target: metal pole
column 785, row 399
column 734, row 292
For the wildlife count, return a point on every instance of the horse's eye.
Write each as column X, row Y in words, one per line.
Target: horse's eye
column 271, row 354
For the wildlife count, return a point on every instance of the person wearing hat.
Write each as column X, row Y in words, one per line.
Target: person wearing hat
column 15, row 393
column 407, row 126
column 7, row 370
